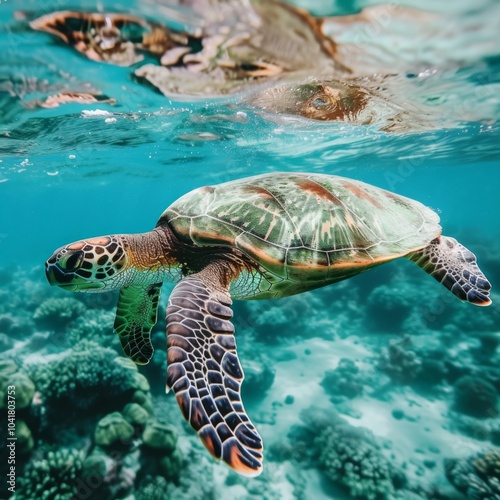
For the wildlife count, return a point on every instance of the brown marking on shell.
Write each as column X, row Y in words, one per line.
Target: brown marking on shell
column 316, row 25
column 262, row 192
column 361, row 193
column 207, row 189
column 201, row 235
column 318, row 190
column 390, row 195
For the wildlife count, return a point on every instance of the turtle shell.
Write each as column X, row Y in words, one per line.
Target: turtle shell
column 311, row 226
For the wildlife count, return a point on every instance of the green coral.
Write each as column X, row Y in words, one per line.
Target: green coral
column 154, row 488
column 476, row 397
column 158, row 436
column 259, row 377
column 54, row 476
column 350, row 461
column 95, row 326
column 87, row 378
column 24, row 437
column 489, row 464
column 56, row 313
column 345, row 382
column 399, row 361
column 24, row 388
column 135, row 414
column 113, row 430
column 388, row 306
column 170, row 466
column 477, row 476
column 349, row 456
column 160, row 453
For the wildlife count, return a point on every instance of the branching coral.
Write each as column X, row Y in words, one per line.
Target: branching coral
column 349, row 456
column 475, row 397
column 477, row 477
column 349, row 460
column 154, row 488
column 52, row 476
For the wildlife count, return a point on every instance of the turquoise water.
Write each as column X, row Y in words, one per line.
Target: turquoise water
column 397, row 408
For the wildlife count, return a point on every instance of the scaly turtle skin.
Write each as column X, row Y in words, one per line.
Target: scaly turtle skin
column 263, row 237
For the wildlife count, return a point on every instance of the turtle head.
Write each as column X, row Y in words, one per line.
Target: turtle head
column 90, row 265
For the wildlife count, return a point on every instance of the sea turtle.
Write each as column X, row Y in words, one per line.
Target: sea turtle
column 355, row 100
column 219, row 47
column 262, row 237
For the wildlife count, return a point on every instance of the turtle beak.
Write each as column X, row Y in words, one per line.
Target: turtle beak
column 56, row 276
column 60, row 270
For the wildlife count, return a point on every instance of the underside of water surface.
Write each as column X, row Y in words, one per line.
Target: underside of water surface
column 382, row 386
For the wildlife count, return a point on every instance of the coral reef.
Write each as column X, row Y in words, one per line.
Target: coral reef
column 109, row 475
column 387, row 307
column 127, row 447
column 349, row 456
column 52, row 476
column 476, row 397
column 259, row 377
column 344, row 382
column 477, row 477
column 399, row 362
column 88, row 378
column 113, row 430
column 56, row 313
column 349, row 460
column 154, row 488
column 95, row 326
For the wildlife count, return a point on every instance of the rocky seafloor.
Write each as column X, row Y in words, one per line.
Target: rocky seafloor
column 381, row 387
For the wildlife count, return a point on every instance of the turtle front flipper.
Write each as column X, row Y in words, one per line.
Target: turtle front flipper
column 204, row 370
column 135, row 317
column 456, row 268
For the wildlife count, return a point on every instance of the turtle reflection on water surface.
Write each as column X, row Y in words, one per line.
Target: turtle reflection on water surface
column 263, row 237
column 252, row 42
column 354, row 101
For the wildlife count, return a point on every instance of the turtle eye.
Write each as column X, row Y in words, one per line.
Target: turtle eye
column 71, row 262
column 321, row 102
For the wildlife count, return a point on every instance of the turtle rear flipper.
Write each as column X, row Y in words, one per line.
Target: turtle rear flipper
column 204, row 370
column 456, row 268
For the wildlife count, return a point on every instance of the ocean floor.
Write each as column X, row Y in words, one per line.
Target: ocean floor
column 383, row 386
